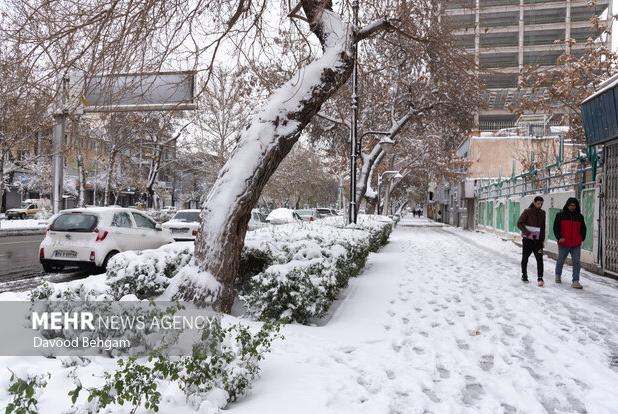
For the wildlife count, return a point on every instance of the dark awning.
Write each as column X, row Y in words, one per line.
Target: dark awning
column 599, row 113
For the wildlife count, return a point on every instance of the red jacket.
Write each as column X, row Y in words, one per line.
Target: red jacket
column 570, row 227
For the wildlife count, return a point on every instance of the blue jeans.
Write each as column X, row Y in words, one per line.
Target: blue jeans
column 563, row 252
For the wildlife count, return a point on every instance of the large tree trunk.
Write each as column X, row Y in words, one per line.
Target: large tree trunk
column 262, row 145
column 364, row 178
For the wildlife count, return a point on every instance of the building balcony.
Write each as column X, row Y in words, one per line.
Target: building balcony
column 527, row 7
column 527, row 29
column 527, row 49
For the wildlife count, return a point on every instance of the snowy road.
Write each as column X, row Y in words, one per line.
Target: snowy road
column 439, row 322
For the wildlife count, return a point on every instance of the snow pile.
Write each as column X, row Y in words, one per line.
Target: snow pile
column 28, row 224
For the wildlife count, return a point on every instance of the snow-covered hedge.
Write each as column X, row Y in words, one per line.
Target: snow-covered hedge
column 147, row 274
column 290, row 272
column 312, row 262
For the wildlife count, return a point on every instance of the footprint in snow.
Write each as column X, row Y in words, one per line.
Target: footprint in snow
column 472, row 391
column 432, row 395
column 444, row 373
column 347, row 349
column 418, row 350
column 486, row 362
column 462, row 345
column 508, row 409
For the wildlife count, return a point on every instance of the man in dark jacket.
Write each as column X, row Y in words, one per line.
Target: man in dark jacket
column 532, row 226
column 570, row 231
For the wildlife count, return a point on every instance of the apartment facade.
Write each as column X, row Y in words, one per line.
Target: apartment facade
column 506, row 35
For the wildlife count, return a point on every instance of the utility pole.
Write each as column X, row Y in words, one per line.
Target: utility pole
column 354, row 123
column 60, row 116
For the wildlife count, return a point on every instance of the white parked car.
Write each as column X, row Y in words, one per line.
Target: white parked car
column 89, row 237
column 283, row 216
column 184, row 225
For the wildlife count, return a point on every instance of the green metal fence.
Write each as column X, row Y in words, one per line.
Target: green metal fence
column 576, row 174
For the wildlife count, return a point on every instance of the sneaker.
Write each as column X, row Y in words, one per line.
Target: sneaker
column 524, row 279
column 558, row 279
column 576, row 285
column 540, row 283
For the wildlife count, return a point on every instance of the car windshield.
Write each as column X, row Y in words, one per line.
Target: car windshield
column 324, row 211
column 25, row 205
column 305, row 212
column 78, row 222
column 187, row 216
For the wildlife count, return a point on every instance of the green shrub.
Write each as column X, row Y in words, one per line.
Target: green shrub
column 226, row 359
column 24, row 395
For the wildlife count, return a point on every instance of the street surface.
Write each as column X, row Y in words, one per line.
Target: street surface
column 19, row 264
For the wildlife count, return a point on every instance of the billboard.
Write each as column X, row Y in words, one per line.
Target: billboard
column 140, row 92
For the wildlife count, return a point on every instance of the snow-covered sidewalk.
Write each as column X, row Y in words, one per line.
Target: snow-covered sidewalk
column 439, row 322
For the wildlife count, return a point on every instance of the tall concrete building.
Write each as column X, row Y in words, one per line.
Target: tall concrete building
column 505, row 35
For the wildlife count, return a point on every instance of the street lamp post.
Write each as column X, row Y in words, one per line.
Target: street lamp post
column 354, row 123
column 396, row 174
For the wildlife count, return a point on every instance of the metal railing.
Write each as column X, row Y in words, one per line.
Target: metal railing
column 575, row 174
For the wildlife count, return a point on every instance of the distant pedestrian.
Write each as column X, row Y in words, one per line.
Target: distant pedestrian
column 440, row 216
column 532, row 226
column 570, row 231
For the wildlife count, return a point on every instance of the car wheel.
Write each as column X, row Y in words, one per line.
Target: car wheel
column 22, row 216
column 107, row 259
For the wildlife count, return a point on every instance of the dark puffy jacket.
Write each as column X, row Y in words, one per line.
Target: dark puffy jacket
column 534, row 217
column 570, row 226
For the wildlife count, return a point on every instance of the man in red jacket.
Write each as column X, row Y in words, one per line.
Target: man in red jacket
column 570, row 231
column 532, row 226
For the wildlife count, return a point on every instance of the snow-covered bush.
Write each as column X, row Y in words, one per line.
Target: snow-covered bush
column 220, row 370
column 71, row 292
column 146, row 274
column 324, row 256
column 253, row 261
column 294, row 291
column 24, row 394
